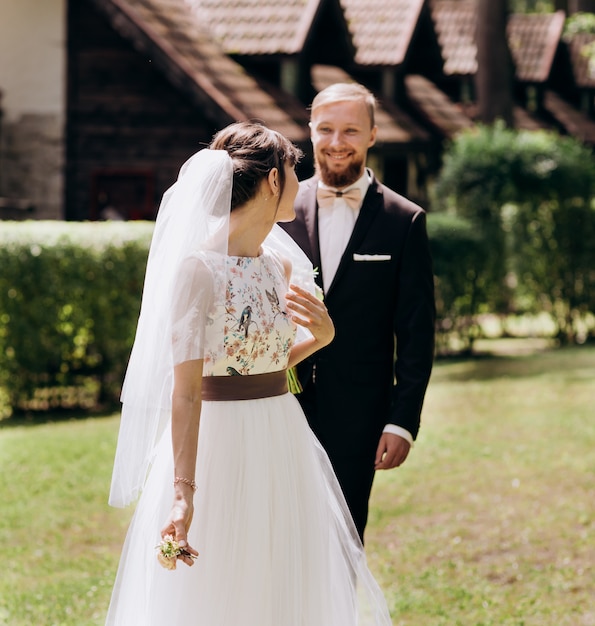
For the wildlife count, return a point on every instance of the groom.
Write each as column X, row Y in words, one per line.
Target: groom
column 371, row 248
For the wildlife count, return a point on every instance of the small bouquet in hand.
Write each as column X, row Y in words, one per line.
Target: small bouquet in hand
column 168, row 552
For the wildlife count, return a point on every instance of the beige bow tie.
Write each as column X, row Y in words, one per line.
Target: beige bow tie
column 326, row 197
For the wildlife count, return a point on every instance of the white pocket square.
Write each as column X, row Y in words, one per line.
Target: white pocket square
column 371, row 257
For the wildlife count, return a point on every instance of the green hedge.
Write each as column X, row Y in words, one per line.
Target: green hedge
column 458, row 250
column 69, row 302
column 70, row 296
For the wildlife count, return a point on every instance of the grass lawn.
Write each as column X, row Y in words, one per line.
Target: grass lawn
column 491, row 522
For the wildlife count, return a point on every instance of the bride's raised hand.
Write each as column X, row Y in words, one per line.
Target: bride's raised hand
column 310, row 312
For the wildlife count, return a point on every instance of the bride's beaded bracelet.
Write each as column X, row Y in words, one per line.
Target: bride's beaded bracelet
column 186, row 481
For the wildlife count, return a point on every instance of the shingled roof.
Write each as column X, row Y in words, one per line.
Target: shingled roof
column 382, row 30
column 178, row 43
column 575, row 122
column 454, row 22
column 584, row 74
column 394, row 125
column 258, row 27
column 532, row 39
column 435, row 106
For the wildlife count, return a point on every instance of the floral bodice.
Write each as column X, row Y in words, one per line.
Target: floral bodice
column 257, row 332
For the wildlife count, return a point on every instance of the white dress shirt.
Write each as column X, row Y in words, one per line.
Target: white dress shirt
column 335, row 225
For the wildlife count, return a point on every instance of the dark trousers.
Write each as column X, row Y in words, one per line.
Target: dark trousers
column 355, row 473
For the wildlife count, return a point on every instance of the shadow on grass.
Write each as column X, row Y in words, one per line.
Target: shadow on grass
column 517, row 358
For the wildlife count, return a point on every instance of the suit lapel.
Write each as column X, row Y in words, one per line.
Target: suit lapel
column 311, row 222
column 370, row 207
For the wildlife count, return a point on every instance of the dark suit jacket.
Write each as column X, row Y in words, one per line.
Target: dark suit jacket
column 370, row 302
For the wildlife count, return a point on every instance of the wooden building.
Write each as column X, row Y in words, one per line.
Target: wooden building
column 146, row 83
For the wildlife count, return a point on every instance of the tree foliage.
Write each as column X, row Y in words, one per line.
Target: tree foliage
column 531, row 6
column 582, row 24
column 530, row 196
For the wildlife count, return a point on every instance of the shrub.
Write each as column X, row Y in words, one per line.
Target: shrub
column 457, row 252
column 69, row 301
column 530, row 196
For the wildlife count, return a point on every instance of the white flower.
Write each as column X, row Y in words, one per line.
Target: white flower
column 168, row 552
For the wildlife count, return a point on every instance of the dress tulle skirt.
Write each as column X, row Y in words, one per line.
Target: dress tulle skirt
column 277, row 544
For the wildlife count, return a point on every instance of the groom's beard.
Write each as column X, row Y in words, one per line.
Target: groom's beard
column 339, row 179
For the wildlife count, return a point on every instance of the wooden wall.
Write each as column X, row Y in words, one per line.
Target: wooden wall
column 128, row 131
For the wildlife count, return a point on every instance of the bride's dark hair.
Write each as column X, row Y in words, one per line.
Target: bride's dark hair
column 255, row 150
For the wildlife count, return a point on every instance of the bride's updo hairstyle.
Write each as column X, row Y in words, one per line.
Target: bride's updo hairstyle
column 255, row 150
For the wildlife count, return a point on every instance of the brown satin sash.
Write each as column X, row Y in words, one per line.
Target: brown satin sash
column 244, row 387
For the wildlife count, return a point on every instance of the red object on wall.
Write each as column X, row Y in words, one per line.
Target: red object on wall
column 123, row 194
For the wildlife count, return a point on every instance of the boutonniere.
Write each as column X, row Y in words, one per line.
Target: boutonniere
column 168, row 552
column 317, row 288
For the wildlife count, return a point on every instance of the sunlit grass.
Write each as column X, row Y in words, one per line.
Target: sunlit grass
column 490, row 522
column 61, row 538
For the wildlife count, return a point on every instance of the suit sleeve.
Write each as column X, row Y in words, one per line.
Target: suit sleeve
column 413, row 322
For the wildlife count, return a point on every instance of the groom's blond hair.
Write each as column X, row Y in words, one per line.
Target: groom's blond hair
column 346, row 92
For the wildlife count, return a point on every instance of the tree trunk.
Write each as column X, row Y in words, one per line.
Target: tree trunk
column 576, row 6
column 494, row 76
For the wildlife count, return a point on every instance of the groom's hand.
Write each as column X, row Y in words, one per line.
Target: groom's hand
column 391, row 452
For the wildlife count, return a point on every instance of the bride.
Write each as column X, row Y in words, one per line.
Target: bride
column 241, row 521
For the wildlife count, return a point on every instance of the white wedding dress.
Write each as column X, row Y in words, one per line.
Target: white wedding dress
column 277, row 544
